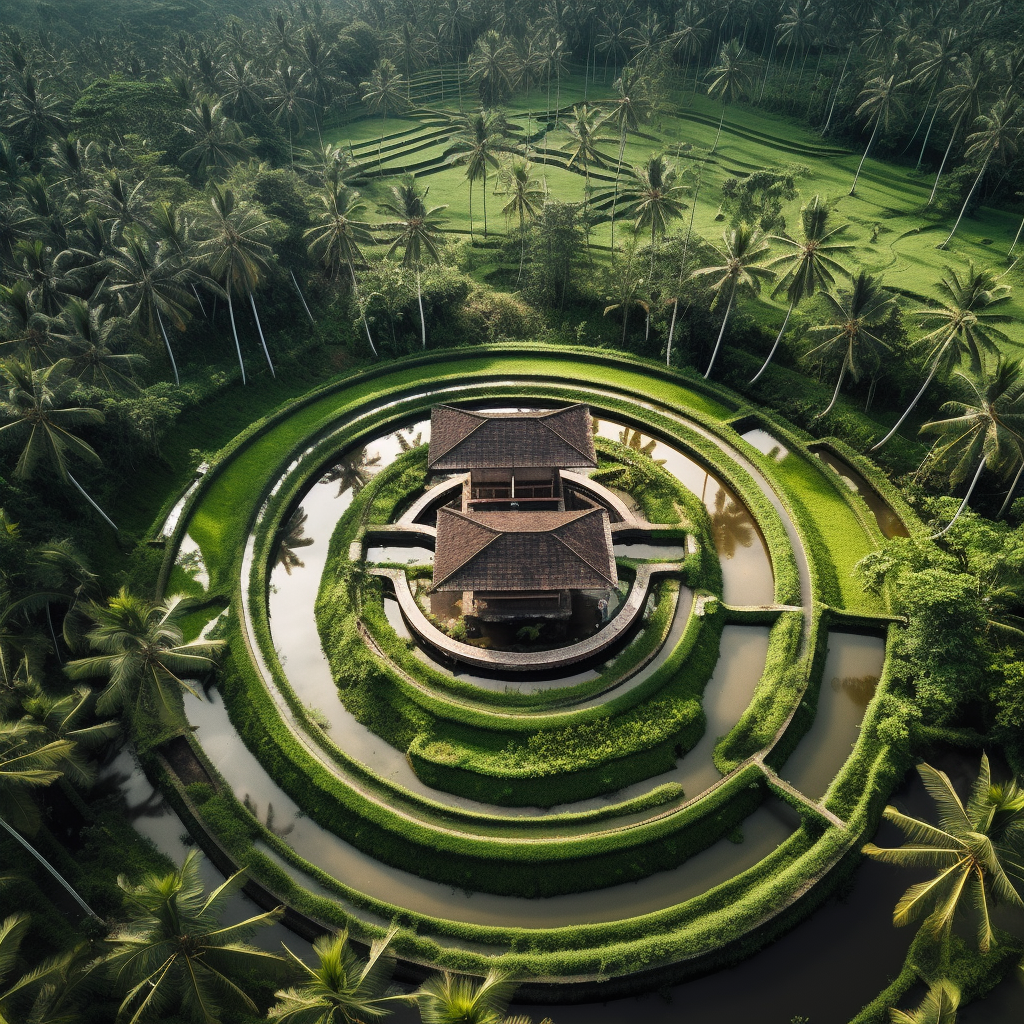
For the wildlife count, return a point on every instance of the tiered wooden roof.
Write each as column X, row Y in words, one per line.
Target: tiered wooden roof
column 462, row 439
column 520, row 551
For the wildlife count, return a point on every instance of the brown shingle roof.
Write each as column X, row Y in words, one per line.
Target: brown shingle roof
column 524, row 551
column 462, row 439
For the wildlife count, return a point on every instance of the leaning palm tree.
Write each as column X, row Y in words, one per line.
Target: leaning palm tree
column 148, row 285
column 34, row 404
column 879, row 102
column 986, row 428
column 93, row 342
column 655, row 199
column 141, row 652
column 382, row 94
column 939, row 1006
column 454, row 999
column 174, row 953
column 963, row 325
column 525, row 198
column 738, row 271
column 995, row 140
column 238, row 254
column 730, row 79
column 808, row 265
column 336, row 238
column 476, row 148
column 342, row 988
column 418, row 230
column 630, row 108
column 970, row 848
column 858, row 312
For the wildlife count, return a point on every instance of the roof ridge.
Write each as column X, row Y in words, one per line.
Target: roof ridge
column 561, row 437
column 495, row 534
column 582, row 557
column 455, row 444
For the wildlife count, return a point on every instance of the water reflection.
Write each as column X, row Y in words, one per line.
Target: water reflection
column 353, row 472
column 731, row 525
column 888, row 522
column 292, row 538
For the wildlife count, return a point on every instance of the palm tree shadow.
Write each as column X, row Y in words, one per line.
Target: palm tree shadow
column 291, row 539
column 731, row 525
column 353, row 472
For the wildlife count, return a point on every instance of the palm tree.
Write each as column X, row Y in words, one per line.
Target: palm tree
column 730, row 79
column 585, row 131
column 175, row 954
column 238, row 254
column 45, row 980
column 996, row 138
column 628, row 110
column 418, row 230
column 142, row 654
column 335, row 241
column 858, row 312
column 526, row 194
column 691, row 35
column 552, row 60
column 382, row 93
column 939, row 57
column 964, row 325
column 878, row 104
column 241, row 88
column 216, row 141
column 986, row 429
column 475, row 148
column 808, row 265
column 33, row 403
column 454, row 999
column 737, row 272
column 655, row 200
column 288, row 102
column 490, row 66
column 968, row 847
column 627, row 282
column 24, row 325
column 91, row 341
column 341, row 989
column 939, row 1006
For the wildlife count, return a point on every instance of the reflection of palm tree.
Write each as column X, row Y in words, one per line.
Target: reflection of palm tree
column 352, row 472
column 635, row 440
column 730, row 525
column 407, row 444
column 292, row 538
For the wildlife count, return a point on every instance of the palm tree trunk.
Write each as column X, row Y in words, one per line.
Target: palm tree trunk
column 1016, row 238
column 263, row 341
column 174, row 365
column 917, row 398
column 49, row 867
column 419, row 297
column 81, row 490
column 1009, row 494
column 234, row 331
column 878, row 121
column 362, row 312
column 671, row 332
column 485, row 199
column 472, row 235
column 942, row 166
column 767, row 69
column 927, row 136
column 618, row 172
column 719, row 134
column 963, row 504
column 842, row 76
column 202, row 308
column 721, row 333
column 835, row 396
column 778, row 338
column 963, row 208
column 302, row 297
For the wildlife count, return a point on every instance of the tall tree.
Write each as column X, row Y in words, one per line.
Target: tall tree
column 491, row 67
column 93, row 344
column 476, row 148
column 939, row 1006
column 216, row 141
column 288, row 102
column 525, row 194
column 453, row 999
column 878, row 103
column 807, row 265
column 961, row 102
column 963, row 326
column 655, row 199
column 585, row 133
column 740, row 269
column 730, row 79
column 382, row 94
column 853, row 335
column 628, row 110
column 418, row 232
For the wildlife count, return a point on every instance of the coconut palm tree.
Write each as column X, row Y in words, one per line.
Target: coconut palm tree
column 418, row 230
column 807, row 265
column 938, row 59
column 238, row 255
column 454, row 999
column 23, row 324
column 525, row 198
column 730, row 79
column 939, row 1006
column 627, row 112
column 174, row 954
column 961, row 101
column 288, row 102
column 476, row 148
column 879, row 102
column 216, row 141
column 45, row 981
column 92, row 342
column 655, row 199
column 33, row 403
column 627, row 280
column 970, row 848
column 853, row 334
column 985, row 429
column 964, row 325
column 585, row 132
column 491, row 68
column 739, row 270
column 342, row 988
column 996, row 139
column 336, row 238
column 149, row 285
column 691, row 35
column 382, row 94
column 552, row 61
column 141, row 652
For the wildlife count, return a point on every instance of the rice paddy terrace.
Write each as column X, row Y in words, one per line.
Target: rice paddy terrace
column 660, row 813
column 893, row 231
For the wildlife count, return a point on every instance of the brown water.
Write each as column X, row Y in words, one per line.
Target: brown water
column 766, row 443
column 888, row 522
column 852, row 670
